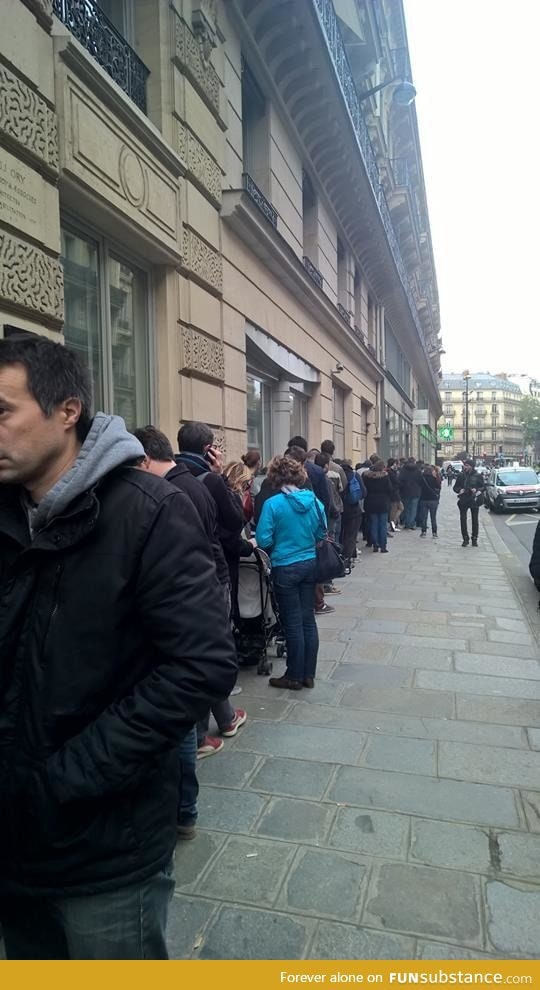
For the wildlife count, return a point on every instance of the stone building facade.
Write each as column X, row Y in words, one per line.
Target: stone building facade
column 200, row 198
column 494, row 416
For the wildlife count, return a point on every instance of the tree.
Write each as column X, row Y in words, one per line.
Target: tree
column 529, row 411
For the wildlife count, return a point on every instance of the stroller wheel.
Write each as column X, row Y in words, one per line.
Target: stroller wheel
column 265, row 667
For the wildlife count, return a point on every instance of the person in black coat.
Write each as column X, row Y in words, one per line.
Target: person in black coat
column 377, row 503
column 113, row 642
column 429, row 500
column 534, row 564
column 469, row 487
column 410, row 486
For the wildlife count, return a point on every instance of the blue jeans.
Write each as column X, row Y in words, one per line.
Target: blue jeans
column 189, row 785
column 294, row 586
column 411, row 505
column 378, row 522
column 127, row 923
column 431, row 508
column 334, row 528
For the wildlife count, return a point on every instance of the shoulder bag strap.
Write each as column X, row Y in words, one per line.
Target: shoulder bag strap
column 320, row 515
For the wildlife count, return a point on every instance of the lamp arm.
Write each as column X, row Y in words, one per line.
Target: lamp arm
column 377, row 89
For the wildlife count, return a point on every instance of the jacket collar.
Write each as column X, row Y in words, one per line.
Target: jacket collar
column 78, row 519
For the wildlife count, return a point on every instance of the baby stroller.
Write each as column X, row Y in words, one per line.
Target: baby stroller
column 256, row 621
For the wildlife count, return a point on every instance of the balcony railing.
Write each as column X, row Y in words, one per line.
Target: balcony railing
column 330, row 26
column 260, row 199
column 89, row 25
column 344, row 313
column 313, row 272
column 400, row 169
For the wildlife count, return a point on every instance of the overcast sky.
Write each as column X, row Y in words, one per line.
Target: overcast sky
column 475, row 66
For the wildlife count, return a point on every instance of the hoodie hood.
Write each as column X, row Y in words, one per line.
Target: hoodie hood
column 376, row 474
column 301, row 500
column 107, row 446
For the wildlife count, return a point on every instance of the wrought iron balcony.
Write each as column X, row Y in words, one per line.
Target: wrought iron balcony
column 400, row 168
column 313, row 272
column 260, row 199
column 89, row 25
column 330, row 27
column 344, row 313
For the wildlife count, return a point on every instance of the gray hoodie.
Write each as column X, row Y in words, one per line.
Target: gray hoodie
column 107, row 446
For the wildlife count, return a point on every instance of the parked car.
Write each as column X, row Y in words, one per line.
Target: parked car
column 512, row 488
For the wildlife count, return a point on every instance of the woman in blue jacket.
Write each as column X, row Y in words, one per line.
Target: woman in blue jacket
column 290, row 524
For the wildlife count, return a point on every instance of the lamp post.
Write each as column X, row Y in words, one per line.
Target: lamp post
column 466, row 377
column 403, row 95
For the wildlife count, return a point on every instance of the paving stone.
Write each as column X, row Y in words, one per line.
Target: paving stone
column 325, row 668
column 248, row 869
column 512, row 625
column 192, row 858
column 509, row 711
column 459, row 847
column 409, row 701
column 331, row 651
column 446, row 632
column 476, row 598
column 493, row 666
column 502, row 649
column 302, row 742
column 425, row 901
column 336, row 941
column 231, row 770
column 440, row 950
column 381, row 625
column 368, row 651
column 297, row 778
column 188, row 917
column 513, row 638
column 531, row 805
column 266, row 710
column 324, row 693
column 402, row 603
column 505, row 687
column 534, row 738
column 370, row 833
column 326, row 715
column 298, row 821
column 404, row 615
column 325, row 883
column 386, row 752
column 520, row 854
column 228, row 810
column 435, row 642
column 489, row 764
column 405, row 656
column 513, row 919
column 409, row 793
column 327, row 635
column 372, row 674
column 244, row 933
column 487, row 608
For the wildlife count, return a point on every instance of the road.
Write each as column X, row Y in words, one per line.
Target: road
column 517, row 530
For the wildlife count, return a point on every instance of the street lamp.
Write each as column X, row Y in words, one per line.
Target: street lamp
column 467, row 377
column 403, row 95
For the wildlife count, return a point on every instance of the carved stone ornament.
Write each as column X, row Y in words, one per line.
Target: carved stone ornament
column 30, row 279
column 189, row 57
column 43, row 11
column 27, row 119
column 200, row 164
column 133, row 177
column 204, row 23
column 202, row 260
column 202, row 356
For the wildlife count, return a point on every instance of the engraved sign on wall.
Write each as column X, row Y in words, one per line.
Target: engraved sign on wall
column 19, row 192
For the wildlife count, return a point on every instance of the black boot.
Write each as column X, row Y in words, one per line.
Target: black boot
column 465, row 543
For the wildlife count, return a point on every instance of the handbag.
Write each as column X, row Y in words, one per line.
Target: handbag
column 330, row 563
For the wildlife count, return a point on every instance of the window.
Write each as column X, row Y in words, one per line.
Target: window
column 493, row 434
column 396, row 362
column 448, row 411
column 339, row 421
column 480, row 396
column 479, row 434
column 342, row 294
column 309, row 219
column 299, row 414
column 106, row 323
column 259, row 415
column 256, row 156
column 494, row 407
column 120, row 13
column 447, row 396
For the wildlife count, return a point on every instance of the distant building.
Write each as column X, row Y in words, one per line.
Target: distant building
column 494, row 418
column 527, row 385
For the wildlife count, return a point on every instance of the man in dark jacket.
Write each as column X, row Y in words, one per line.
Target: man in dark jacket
column 534, row 563
column 316, row 475
column 410, row 486
column 468, row 487
column 113, row 642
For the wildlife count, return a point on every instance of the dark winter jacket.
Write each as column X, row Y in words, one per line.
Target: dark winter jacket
column 534, row 565
column 410, row 481
column 465, row 481
column 229, row 510
column 431, row 488
column 182, row 478
column 316, row 480
column 113, row 642
column 394, row 481
column 379, row 492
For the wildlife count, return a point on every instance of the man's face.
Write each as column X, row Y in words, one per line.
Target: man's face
column 467, row 468
column 29, row 442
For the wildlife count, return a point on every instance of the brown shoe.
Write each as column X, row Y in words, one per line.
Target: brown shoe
column 309, row 682
column 285, row 683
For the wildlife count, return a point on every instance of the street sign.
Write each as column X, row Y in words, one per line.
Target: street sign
column 446, row 432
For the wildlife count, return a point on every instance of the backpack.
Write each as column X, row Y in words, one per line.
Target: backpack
column 335, row 506
column 355, row 491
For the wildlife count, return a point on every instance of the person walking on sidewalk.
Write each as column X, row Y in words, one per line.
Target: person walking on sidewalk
column 289, row 527
column 429, row 499
column 396, row 506
column 114, row 641
column 410, row 486
column 379, row 493
column 469, row 487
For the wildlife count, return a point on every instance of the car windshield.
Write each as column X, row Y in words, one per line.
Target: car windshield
column 516, row 478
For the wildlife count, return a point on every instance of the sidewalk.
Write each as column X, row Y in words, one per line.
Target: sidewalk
column 391, row 812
